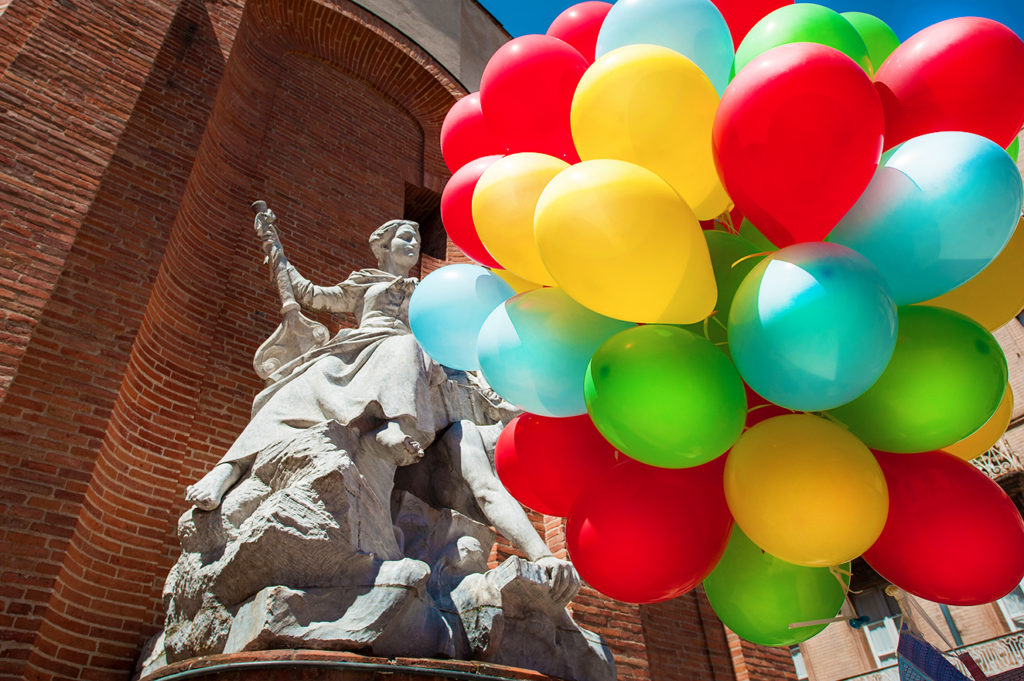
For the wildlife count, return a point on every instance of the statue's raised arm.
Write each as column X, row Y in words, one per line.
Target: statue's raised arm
column 297, row 334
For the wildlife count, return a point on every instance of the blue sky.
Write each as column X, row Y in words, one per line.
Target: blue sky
column 905, row 16
column 520, row 17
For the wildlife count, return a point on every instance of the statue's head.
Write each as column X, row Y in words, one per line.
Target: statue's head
column 396, row 245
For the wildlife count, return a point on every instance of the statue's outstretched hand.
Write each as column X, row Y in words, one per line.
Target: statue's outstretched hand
column 264, row 225
column 562, row 577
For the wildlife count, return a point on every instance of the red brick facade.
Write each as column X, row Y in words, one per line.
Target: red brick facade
column 133, row 137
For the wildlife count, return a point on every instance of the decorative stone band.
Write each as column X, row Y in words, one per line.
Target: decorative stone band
column 318, row 665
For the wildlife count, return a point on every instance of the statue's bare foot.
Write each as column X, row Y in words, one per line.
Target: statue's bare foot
column 398, row 444
column 208, row 492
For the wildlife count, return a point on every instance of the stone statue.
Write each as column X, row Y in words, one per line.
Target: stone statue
column 354, row 512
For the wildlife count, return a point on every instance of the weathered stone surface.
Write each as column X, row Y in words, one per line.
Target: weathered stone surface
column 510, row 618
column 304, row 528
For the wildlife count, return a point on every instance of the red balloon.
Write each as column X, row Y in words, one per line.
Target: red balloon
column 741, row 15
column 457, row 210
column 959, row 74
column 952, row 536
column 563, row 456
column 465, row 135
column 514, row 474
column 645, row 534
column 797, row 138
column 526, row 92
column 579, row 26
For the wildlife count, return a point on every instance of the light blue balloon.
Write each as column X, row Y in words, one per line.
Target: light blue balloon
column 694, row 28
column 812, row 326
column 534, row 350
column 936, row 213
column 448, row 308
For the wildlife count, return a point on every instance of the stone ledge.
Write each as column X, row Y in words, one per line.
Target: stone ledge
column 319, row 665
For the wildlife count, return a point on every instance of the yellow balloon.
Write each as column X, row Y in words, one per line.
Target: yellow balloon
column 619, row 240
column 503, row 204
column 806, row 490
column 996, row 294
column 981, row 440
column 652, row 106
column 518, row 284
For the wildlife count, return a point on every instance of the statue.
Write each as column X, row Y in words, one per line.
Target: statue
column 354, row 511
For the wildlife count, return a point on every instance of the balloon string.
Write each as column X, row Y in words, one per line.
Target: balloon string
column 829, row 417
column 752, row 255
column 907, row 604
column 725, row 219
column 839, row 573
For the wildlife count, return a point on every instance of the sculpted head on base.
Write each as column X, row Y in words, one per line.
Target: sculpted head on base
column 396, row 245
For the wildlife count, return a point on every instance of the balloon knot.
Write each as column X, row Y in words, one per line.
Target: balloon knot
column 858, row 622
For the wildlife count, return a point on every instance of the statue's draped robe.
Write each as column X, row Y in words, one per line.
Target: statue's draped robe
column 362, row 377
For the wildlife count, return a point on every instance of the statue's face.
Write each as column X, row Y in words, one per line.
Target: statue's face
column 405, row 246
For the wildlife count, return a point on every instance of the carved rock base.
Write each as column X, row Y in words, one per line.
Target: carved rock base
column 311, row 665
column 302, row 553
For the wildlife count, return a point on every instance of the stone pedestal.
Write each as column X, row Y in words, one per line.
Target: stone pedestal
column 315, row 665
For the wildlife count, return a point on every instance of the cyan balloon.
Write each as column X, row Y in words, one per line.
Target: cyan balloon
column 534, row 350
column 812, row 326
column 936, row 213
column 448, row 308
column 694, row 28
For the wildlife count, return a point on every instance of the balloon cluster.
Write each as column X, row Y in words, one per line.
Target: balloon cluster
column 704, row 408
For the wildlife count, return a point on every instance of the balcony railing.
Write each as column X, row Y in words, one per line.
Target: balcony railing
column 998, row 655
column 891, row 673
column 994, row 656
column 999, row 461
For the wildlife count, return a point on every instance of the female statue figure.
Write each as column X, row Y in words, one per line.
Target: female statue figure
column 376, row 380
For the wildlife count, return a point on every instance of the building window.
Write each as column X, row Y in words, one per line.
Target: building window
column 1012, row 607
column 424, row 206
column 798, row 663
column 882, row 632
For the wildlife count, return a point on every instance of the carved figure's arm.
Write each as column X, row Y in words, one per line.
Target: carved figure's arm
column 337, row 299
column 293, row 287
column 502, row 509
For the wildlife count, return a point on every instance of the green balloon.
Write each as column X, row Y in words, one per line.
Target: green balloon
column 1014, row 149
column 665, row 396
column 730, row 261
column 752, row 234
column 944, row 381
column 803, row 23
column 876, row 34
column 758, row 595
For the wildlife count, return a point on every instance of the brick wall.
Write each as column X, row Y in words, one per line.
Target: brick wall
column 132, row 296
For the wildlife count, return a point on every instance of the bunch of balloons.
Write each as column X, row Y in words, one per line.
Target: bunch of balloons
column 750, row 413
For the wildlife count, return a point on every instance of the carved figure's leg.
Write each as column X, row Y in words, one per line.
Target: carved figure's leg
column 208, row 492
column 395, row 441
